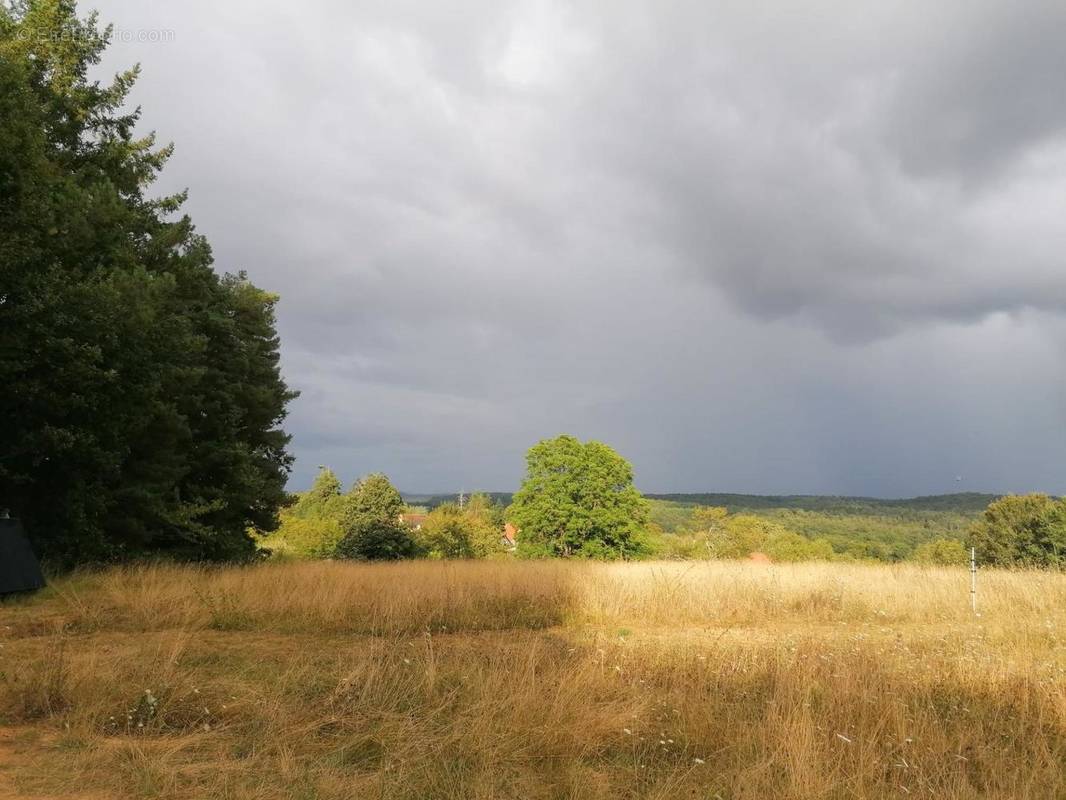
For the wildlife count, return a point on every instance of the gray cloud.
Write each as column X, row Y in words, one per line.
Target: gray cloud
column 811, row 249
column 983, row 90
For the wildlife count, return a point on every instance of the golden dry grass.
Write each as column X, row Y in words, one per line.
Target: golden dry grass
column 535, row 680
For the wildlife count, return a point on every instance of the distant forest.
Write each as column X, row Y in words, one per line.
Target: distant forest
column 856, row 527
column 962, row 503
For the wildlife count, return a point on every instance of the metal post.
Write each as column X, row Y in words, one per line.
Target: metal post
column 973, row 579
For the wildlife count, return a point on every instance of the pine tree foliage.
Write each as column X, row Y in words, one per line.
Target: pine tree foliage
column 140, row 390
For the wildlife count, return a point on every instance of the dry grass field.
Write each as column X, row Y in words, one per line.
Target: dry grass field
column 535, row 680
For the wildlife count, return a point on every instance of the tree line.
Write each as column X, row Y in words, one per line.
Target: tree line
column 370, row 522
column 1013, row 531
column 578, row 500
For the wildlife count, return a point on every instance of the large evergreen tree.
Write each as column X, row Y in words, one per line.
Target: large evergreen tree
column 140, row 391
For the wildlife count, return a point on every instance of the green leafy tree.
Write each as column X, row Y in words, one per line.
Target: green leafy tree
column 708, row 518
column 311, row 527
column 1022, row 530
column 143, row 400
column 371, row 523
column 374, row 497
column 579, row 500
column 1049, row 548
column 486, row 519
column 322, row 499
column 482, row 506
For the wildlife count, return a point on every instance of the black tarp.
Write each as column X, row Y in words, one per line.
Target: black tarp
column 19, row 570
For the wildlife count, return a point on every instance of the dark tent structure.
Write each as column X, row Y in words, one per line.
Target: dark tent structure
column 19, row 570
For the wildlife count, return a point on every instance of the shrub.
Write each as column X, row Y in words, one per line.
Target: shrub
column 311, row 537
column 452, row 532
column 943, row 552
column 369, row 539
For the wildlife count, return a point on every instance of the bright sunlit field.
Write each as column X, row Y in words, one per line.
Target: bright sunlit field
column 535, row 680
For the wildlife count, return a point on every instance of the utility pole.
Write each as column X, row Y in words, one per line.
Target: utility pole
column 973, row 579
column 462, row 499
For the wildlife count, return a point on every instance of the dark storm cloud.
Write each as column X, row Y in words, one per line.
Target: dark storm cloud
column 982, row 91
column 764, row 248
column 824, row 164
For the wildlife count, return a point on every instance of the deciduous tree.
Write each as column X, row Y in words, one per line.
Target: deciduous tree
column 579, row 499
column 371, row 522
column 1022, row 530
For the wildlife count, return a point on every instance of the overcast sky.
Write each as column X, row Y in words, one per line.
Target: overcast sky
column 756, row 247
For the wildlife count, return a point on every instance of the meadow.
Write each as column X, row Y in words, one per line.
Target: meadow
column 552, row 679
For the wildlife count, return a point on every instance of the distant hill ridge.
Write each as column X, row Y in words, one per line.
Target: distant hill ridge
column 961, row 501
column 964, row 502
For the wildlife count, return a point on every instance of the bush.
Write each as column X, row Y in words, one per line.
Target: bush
column 452, row 532
column 310, row 537
column 786, row 545
column 369, row 539
column 322, row 499
column 942, row 552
